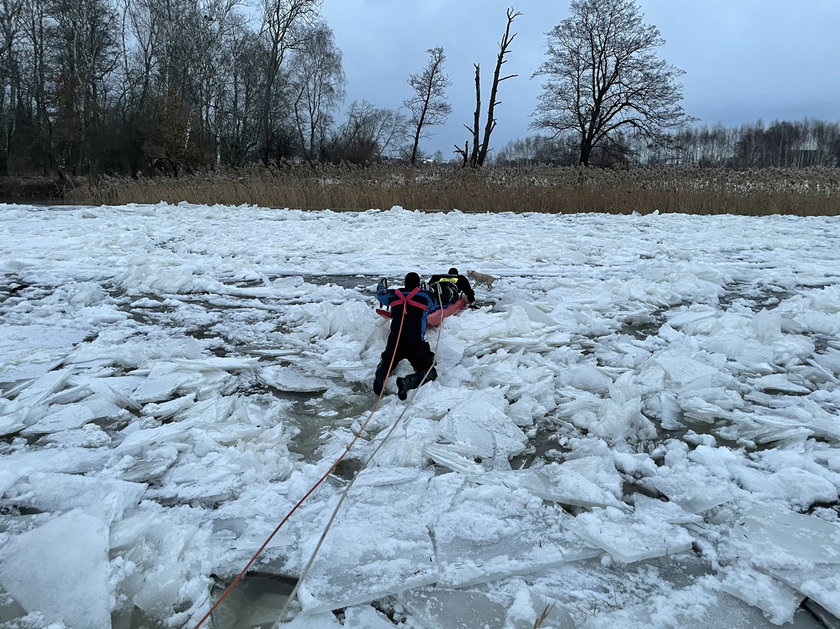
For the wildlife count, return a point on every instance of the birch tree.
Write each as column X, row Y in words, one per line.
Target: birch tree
column 428, row 105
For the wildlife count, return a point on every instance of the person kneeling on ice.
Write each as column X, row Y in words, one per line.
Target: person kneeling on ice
column 410, row 344
column 450, row 287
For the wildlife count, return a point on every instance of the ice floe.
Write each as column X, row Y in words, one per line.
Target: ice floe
column 638, row 427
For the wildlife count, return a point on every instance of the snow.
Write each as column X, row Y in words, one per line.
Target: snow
column 638, row 427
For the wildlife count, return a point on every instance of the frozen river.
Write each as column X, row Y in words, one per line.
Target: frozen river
column 639, row 427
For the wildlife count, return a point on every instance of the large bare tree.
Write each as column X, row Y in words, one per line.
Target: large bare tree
column 481, row 145
column 603, row 77
column 428, row 105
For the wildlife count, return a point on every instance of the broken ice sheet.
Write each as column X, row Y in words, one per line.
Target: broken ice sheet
column 779, row 382
column 60, row 569
column 694, row 488
column 453, row 609
column 820, row 583
column 456, row 457
column 773, row 537
column 30, row 351
column 776, row 600
column 378, row 545
column 292, row 379
column 494, row 531
column 558, row 483
column 480, row 425
column 39, row 389
column 630, row 537
column 701, row 605
column 104, row 497
column 65, row 417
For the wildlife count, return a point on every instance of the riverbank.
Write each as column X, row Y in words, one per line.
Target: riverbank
column 25, row 189
column 800, row 192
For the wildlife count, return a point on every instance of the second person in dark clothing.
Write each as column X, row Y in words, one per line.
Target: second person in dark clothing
column 412, row 345
column 451, row 286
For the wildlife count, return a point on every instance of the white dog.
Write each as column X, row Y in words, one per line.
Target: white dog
column 482, row 278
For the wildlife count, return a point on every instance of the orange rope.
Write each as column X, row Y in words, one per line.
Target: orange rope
column 375, row 407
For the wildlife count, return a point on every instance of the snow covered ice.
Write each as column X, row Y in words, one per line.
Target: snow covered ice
column 640, row 426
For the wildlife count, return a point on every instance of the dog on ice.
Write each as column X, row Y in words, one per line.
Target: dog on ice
column 482, row 278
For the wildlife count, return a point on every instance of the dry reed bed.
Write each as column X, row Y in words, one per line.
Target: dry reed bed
column 539, row 189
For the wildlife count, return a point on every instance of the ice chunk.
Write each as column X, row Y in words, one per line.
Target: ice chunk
column 630, row 538
column 589, row 378
column 456, row 457
column 12, row 418
column 663, row 510
column 315, row 621
column 65, row 418
column 103, row 497
column 699, row 606
column 155, row 389
column 453, row 609
column 167, row 557
column 494, row 531
column 563, row 484
column 67, row 460
column 484, row 428
column 528, row 607
column 291, row 379
column 38, row 390
column 775, row 537
column 820, row 583
column 599, row 470
column 366, row 617
column 216, row 363
column 695, row 490
column 378, row 546
column 684, row 371
column 779, row 382
column 152, row 465
column 60, row 569
column 136, row 441
column 32, row 350
column 775, row 599
column 167, row 410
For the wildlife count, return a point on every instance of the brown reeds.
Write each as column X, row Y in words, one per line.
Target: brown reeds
column 804, row 192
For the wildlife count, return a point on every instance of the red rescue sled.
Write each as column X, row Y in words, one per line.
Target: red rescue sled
column 438, row 315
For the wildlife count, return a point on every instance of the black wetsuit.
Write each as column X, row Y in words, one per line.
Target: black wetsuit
column 412, row 345
column 461, row 283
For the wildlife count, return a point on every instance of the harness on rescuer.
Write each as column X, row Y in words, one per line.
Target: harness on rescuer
column 407, row 299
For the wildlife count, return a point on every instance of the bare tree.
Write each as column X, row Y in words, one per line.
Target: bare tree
column 84, row 54
column 368, row 134
column 428, row 105
column 317, row 85
column 603, row 77
column 481, row 147
column 10, row 79
column 281, row 31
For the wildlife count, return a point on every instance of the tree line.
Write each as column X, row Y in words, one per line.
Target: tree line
column 130, row 86
column 151, row 86
column 780, row 144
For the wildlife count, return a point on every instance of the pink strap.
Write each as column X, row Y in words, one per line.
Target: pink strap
column 407, row 299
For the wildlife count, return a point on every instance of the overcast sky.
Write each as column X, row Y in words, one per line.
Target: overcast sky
column 743, row 59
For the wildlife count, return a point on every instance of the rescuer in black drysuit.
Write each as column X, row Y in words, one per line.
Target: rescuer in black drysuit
column 451, row 286
column 412, row 345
